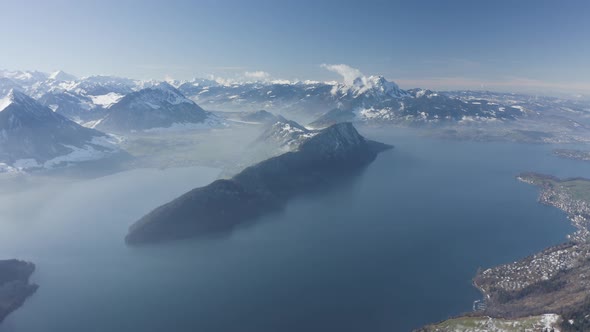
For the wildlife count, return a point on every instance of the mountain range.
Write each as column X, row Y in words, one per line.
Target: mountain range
column 125, row 105
column 32, row 136
column 371, row 98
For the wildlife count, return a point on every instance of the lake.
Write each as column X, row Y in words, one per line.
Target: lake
column 389, row 250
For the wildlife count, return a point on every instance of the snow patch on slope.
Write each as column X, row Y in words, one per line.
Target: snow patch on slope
column 87, row 153
column 106, row 100
column 5, row 102
column 98, row 148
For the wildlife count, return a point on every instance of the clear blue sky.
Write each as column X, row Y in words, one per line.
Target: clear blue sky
column 505, row 45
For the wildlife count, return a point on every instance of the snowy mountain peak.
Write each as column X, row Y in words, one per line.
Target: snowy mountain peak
column 158, row 106
column 27, row 77
column 168, row 93
column 420, row 93
column 61, row 76
column 22, row 103
column 5, row 102
column 15, row 97
column 377, row 85
column 166, row 87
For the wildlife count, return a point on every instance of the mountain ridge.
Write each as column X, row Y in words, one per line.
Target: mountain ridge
column 159, row 106
column 336, row 152
column 33, row 136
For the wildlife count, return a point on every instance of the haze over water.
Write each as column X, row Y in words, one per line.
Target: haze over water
column 389, row 250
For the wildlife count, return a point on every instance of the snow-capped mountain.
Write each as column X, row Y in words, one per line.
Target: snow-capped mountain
column 101, row 85
column 370, row 87
column 24, row 78
column 536, row 105
column 33, row 136
column 160, row 106
column 77, row 107
column 195, row 85
column 82, row 100
column 61, row 76
column 368, row 98
column 371, row 99
column 301, row 101
column 35, row 83
column 285, row 134
column 420, row 106
column 6, row 85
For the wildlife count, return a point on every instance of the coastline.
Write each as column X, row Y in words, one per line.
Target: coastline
column 549, row 285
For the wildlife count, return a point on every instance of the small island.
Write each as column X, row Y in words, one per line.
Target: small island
column 546, row 291
column 15, row 287
column 572, row 154
column 320, row 160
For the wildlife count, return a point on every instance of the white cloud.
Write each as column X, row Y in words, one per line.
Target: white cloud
column 257, row 75
column 347, row 72
column 241, row 77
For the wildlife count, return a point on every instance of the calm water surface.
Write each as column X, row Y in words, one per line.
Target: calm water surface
column 389, row 250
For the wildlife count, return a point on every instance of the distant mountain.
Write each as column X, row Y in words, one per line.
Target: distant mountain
column 24, row 78
column 83, row 100
column 371, row 87
column 77, row 107
column 420, row 106
column 366, row 99
column 195, row 86
column 6, row 85
column 61, row 76
column 160, row 106
column 257, row 117
column 33, row 136
column 101, row 85
column 338, row 151
column 553, row 109
column 301, row 101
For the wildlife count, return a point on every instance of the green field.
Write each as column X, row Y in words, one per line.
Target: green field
column 578, row 188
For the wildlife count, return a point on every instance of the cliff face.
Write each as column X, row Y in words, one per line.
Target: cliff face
column 265, row 187
column 14, row 285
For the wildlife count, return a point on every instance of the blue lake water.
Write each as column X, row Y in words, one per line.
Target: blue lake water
column 390, row 250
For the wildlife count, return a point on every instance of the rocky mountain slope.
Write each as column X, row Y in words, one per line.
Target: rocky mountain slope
column 33, row 136
column 160, row 106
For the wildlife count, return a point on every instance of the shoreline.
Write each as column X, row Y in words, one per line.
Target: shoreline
column 550, row 282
